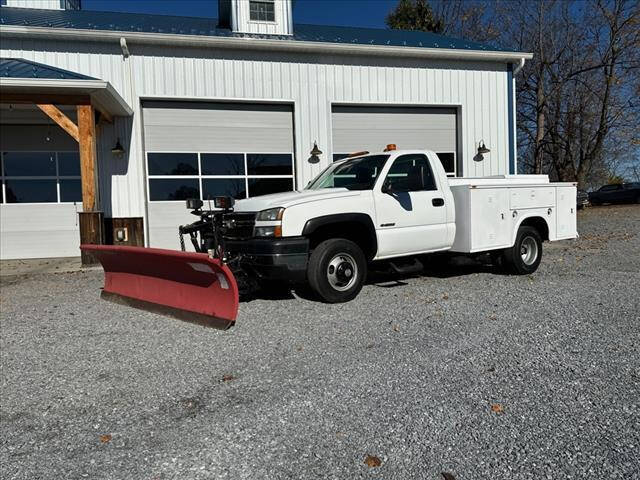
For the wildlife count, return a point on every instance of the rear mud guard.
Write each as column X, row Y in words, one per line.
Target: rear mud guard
column 184, row 285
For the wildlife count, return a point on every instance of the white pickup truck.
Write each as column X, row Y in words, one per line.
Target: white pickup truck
column 394, row 206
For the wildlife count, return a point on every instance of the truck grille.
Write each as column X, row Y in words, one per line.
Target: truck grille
column 239, row 225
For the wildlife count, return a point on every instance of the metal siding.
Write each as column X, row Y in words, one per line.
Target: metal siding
column 371, row 128
column 41, row 4
column 312, row 83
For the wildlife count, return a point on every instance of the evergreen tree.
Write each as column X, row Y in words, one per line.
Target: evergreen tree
column 414, row 15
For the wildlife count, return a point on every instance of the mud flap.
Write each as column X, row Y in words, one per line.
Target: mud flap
column 184, row 285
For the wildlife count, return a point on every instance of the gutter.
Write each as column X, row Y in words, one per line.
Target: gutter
column 253, row 43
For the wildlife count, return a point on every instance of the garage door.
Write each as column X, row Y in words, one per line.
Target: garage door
column 40, row 191
column 203, row 150
column 358, row 128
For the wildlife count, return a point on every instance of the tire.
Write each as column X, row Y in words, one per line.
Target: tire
column 525, row 255
column 336, row 271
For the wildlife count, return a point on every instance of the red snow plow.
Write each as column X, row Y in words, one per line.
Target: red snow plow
column 194, row 286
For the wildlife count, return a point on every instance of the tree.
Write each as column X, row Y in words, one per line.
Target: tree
column 414, row 15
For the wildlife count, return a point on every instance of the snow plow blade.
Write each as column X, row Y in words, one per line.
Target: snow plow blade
column 184, row 285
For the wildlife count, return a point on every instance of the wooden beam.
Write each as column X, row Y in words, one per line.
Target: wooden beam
column 61, row 119
column 45, row 98
column 88, row 164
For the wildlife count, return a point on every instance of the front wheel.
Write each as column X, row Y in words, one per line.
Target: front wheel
column 525, row 255
column 337, row 270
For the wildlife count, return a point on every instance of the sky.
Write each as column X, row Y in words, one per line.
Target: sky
column 361, row 13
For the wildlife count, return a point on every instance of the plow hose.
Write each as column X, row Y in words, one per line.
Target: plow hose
column 184, row 285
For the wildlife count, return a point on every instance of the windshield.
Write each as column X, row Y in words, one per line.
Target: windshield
column 356, row 174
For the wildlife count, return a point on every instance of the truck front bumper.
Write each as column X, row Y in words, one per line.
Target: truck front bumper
column 281, row 259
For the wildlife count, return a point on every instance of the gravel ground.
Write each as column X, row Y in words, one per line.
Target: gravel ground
column 462, row 370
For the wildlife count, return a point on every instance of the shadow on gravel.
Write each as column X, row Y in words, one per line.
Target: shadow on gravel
column 436, row 266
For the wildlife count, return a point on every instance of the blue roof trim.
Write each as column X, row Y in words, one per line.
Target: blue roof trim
column 21, row 68
column 164, row 24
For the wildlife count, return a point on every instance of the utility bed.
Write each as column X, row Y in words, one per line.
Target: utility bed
column 490, row 209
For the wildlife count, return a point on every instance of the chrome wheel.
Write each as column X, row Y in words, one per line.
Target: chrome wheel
column 342, row 272
column 529, row 250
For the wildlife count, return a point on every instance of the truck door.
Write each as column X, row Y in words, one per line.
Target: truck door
column 410, row 210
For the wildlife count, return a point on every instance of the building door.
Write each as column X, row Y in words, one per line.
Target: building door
column 208, row 149
column 357, row 128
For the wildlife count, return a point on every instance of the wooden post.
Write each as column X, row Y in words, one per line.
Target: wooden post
column 87, row 133
column 91, row 220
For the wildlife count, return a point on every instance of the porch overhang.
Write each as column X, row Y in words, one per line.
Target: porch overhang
column 99, row 93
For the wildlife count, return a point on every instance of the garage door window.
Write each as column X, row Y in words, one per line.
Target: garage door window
column 178, row 176
column 448, row 160
column 41, row 177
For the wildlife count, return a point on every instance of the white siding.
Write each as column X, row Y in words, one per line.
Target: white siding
column 46, row 4
column 312, row 83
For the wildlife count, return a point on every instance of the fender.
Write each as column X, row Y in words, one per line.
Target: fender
column 362, row 219
column 535, row 216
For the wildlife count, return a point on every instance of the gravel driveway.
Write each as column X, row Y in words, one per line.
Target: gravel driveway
column 463, row 370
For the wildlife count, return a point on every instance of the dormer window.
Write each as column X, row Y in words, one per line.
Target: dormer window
column 262, row 10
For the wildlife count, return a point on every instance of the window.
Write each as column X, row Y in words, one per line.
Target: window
column 411, row 173
column 178, row 176
column 3, row 3
column 359, row 173
column 41, row 177
column 262, row 10
column 610, row 188
column 448, row 160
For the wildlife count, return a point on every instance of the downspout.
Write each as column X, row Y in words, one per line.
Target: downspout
column 137, row 130
column 519, row 67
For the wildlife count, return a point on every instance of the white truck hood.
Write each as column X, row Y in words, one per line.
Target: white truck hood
column 288, row 199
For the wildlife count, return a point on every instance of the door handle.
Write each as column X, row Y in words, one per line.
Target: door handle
column 437, row 202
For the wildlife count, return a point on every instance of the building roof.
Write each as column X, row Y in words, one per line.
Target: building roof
column 207, row 27
column 21, row 68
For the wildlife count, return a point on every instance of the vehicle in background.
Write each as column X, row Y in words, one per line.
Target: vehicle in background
column 582, row 199
column 619, row 193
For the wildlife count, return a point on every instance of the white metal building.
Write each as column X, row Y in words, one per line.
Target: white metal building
column 205, row 107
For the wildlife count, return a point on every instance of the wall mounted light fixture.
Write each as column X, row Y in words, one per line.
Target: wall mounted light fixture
column 315, row 154
column 482, row 149
column 118, row 149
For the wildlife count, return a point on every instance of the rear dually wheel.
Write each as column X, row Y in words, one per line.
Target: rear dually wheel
column 525, row 255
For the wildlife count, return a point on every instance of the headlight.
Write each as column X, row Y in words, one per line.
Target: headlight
column 272, row 231
column 270, row 215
